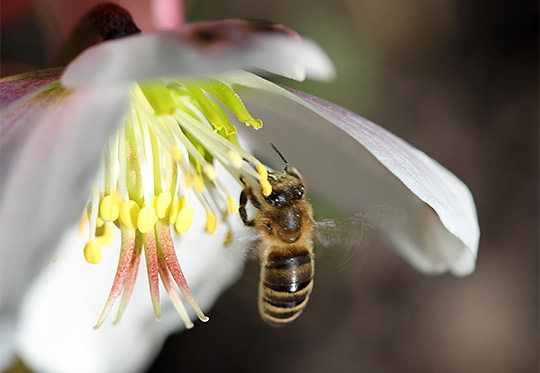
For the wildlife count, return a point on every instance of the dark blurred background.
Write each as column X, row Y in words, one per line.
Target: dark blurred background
column 457, row 79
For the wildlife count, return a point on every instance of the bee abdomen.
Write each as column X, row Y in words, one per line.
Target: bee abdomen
column 286, row 283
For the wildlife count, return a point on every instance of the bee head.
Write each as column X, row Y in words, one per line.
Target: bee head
column 287, row 185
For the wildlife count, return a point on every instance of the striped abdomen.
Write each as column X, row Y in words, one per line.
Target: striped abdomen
column 286, row 282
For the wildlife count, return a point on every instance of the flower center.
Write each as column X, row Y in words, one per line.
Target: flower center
column 162, row 156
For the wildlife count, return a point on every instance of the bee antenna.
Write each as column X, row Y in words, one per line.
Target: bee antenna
column 282, row 158
column 279, row 153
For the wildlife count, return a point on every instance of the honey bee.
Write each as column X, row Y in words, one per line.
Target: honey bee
column 284, row 222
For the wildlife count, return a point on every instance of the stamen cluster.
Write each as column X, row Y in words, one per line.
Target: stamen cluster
column 162, row 156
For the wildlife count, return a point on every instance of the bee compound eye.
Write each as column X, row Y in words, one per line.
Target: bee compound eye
column 275, row 199
column 297, row 193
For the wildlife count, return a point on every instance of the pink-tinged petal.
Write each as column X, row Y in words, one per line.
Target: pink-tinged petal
column 131, row 277
column 199, row 49
column 150, row 254
column 24, row 100
column 49, row 183
column 124, row 264
column 432, row 217
column 21, row 86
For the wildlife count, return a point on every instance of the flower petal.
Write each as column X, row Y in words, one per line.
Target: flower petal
column 198, row 49
column 13, row 88
column 439, row 231
column 49, row 182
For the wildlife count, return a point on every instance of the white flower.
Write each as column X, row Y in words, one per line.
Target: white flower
column 53, row 138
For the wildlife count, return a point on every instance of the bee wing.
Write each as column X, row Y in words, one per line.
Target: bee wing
column 249, row 242
column 340, row 240
column 347, row 243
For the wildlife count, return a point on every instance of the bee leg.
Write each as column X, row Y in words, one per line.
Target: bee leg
column 255, row 202
column 242, row 209
column 243, row 181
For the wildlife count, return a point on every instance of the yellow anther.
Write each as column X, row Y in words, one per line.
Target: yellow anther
column 104, row 235
column 129, row 213
column 54, row 256
column 182, row 203
column 173, row 211
column 209, row 171
column 266, row 187
column 146, row 219
column 92, row 252
column 261, row 170
column 109, row 209
column 233, row 207
column 163, row 204
column 183, row 220
column 177, row 153
column 211, row 222
column 198, row 182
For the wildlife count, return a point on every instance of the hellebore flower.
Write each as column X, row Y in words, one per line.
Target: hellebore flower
column 56, row 126
column 145, row 107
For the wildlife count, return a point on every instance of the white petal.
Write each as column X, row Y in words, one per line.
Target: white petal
column 49, row 185
column 199, row 49
column 355, row 164
column 56, row 332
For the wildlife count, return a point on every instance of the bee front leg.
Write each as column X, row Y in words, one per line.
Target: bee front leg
column 242, row 209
